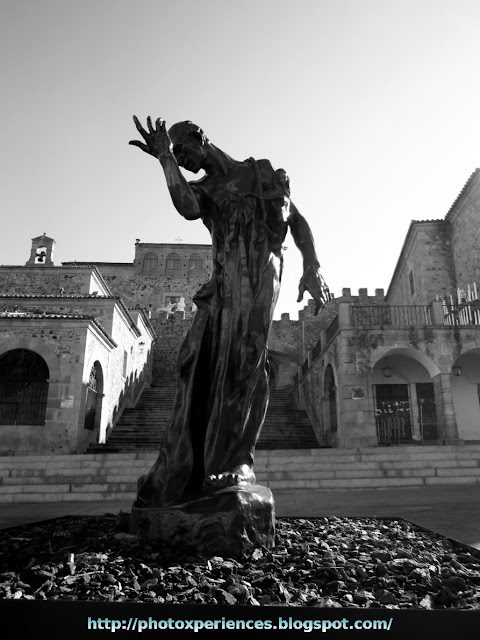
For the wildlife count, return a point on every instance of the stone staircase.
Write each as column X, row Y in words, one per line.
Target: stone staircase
column 142, row 427
column 113, row 476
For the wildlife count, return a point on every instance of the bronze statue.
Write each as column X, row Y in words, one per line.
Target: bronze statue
column 222, row 370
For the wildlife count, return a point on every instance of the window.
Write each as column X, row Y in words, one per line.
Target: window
column 174, row 261
column 172, row 299
column 150, row 261
column 93, row 403
column 196, row 262
column 125, row 363
column 412, row 284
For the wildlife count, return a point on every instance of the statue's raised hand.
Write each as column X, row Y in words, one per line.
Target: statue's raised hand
column 157, row 141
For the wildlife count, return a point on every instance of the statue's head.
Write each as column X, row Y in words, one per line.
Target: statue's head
column 186, row 130
column 188, row 141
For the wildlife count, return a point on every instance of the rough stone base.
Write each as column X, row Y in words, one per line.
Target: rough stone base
column 227, row 523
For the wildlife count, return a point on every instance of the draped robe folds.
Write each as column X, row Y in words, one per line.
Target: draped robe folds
column 222, row 369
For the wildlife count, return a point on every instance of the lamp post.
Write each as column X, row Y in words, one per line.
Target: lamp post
column 387, row 371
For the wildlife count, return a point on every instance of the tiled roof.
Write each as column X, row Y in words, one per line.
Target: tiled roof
column 63, row 316
column 172, row 244
column 42, row 266
column 94, row 263
column 463, row 191
column 71, row 296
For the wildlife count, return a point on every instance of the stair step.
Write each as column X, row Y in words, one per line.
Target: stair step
column 96, row 476
column 142, row 427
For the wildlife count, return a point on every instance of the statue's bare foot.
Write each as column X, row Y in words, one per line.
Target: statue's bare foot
column 237, row 476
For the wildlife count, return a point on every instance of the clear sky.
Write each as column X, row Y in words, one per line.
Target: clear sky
column 371, row 106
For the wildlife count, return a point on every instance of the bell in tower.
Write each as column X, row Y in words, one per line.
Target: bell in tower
column 41, row 254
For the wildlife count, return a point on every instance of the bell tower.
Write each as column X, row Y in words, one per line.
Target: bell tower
column 41, row 254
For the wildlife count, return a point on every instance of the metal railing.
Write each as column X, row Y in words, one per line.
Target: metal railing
column 463, row 308
column 332, row 329
column 23, row 403
column 393, row 429
column 466, row 314
column 391, row 316
column 398, row 430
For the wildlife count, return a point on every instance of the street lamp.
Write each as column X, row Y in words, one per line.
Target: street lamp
column 387, row 371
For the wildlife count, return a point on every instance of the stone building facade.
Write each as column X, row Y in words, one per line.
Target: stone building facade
column 101, row 332
column 405, row 368
column 160, row 275
column 371, row 370
column 72, row 355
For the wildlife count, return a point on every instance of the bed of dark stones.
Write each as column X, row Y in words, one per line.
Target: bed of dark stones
column 322, row 562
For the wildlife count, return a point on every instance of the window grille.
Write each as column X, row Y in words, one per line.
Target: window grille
column 196, row 262
column 174, row 261
column 23, row 388
column 150, row 261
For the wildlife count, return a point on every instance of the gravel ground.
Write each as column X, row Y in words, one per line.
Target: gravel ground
column 322, row 562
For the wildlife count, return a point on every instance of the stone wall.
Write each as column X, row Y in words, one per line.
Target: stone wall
column 149, row 287
column 40, row 281
column 355, row 356
column 96, row 350
column 99, row 308
column 75, row 344
column 61, row 344
column 292, row 338
column 162, row 251
column 37, row 280
column 112, row 269
column 171, row 332
column 285, row 338
column 427, row 256
column 150, row 292
column 128, row 370
column 297, row 337
column 464, row 223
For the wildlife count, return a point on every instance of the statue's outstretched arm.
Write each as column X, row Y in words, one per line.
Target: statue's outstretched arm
column 311, row 280
column 158, row 144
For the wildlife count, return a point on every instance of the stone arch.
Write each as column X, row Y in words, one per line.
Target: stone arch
column 195, row 262
column 415, row 354
column 38, row 346
column 24, row 384
column 407, row 396
column 173, row 262
column 465, row 385
column 150, row 261
column 94, row 398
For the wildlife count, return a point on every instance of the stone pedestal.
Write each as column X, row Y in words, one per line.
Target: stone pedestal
column 227, row 523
